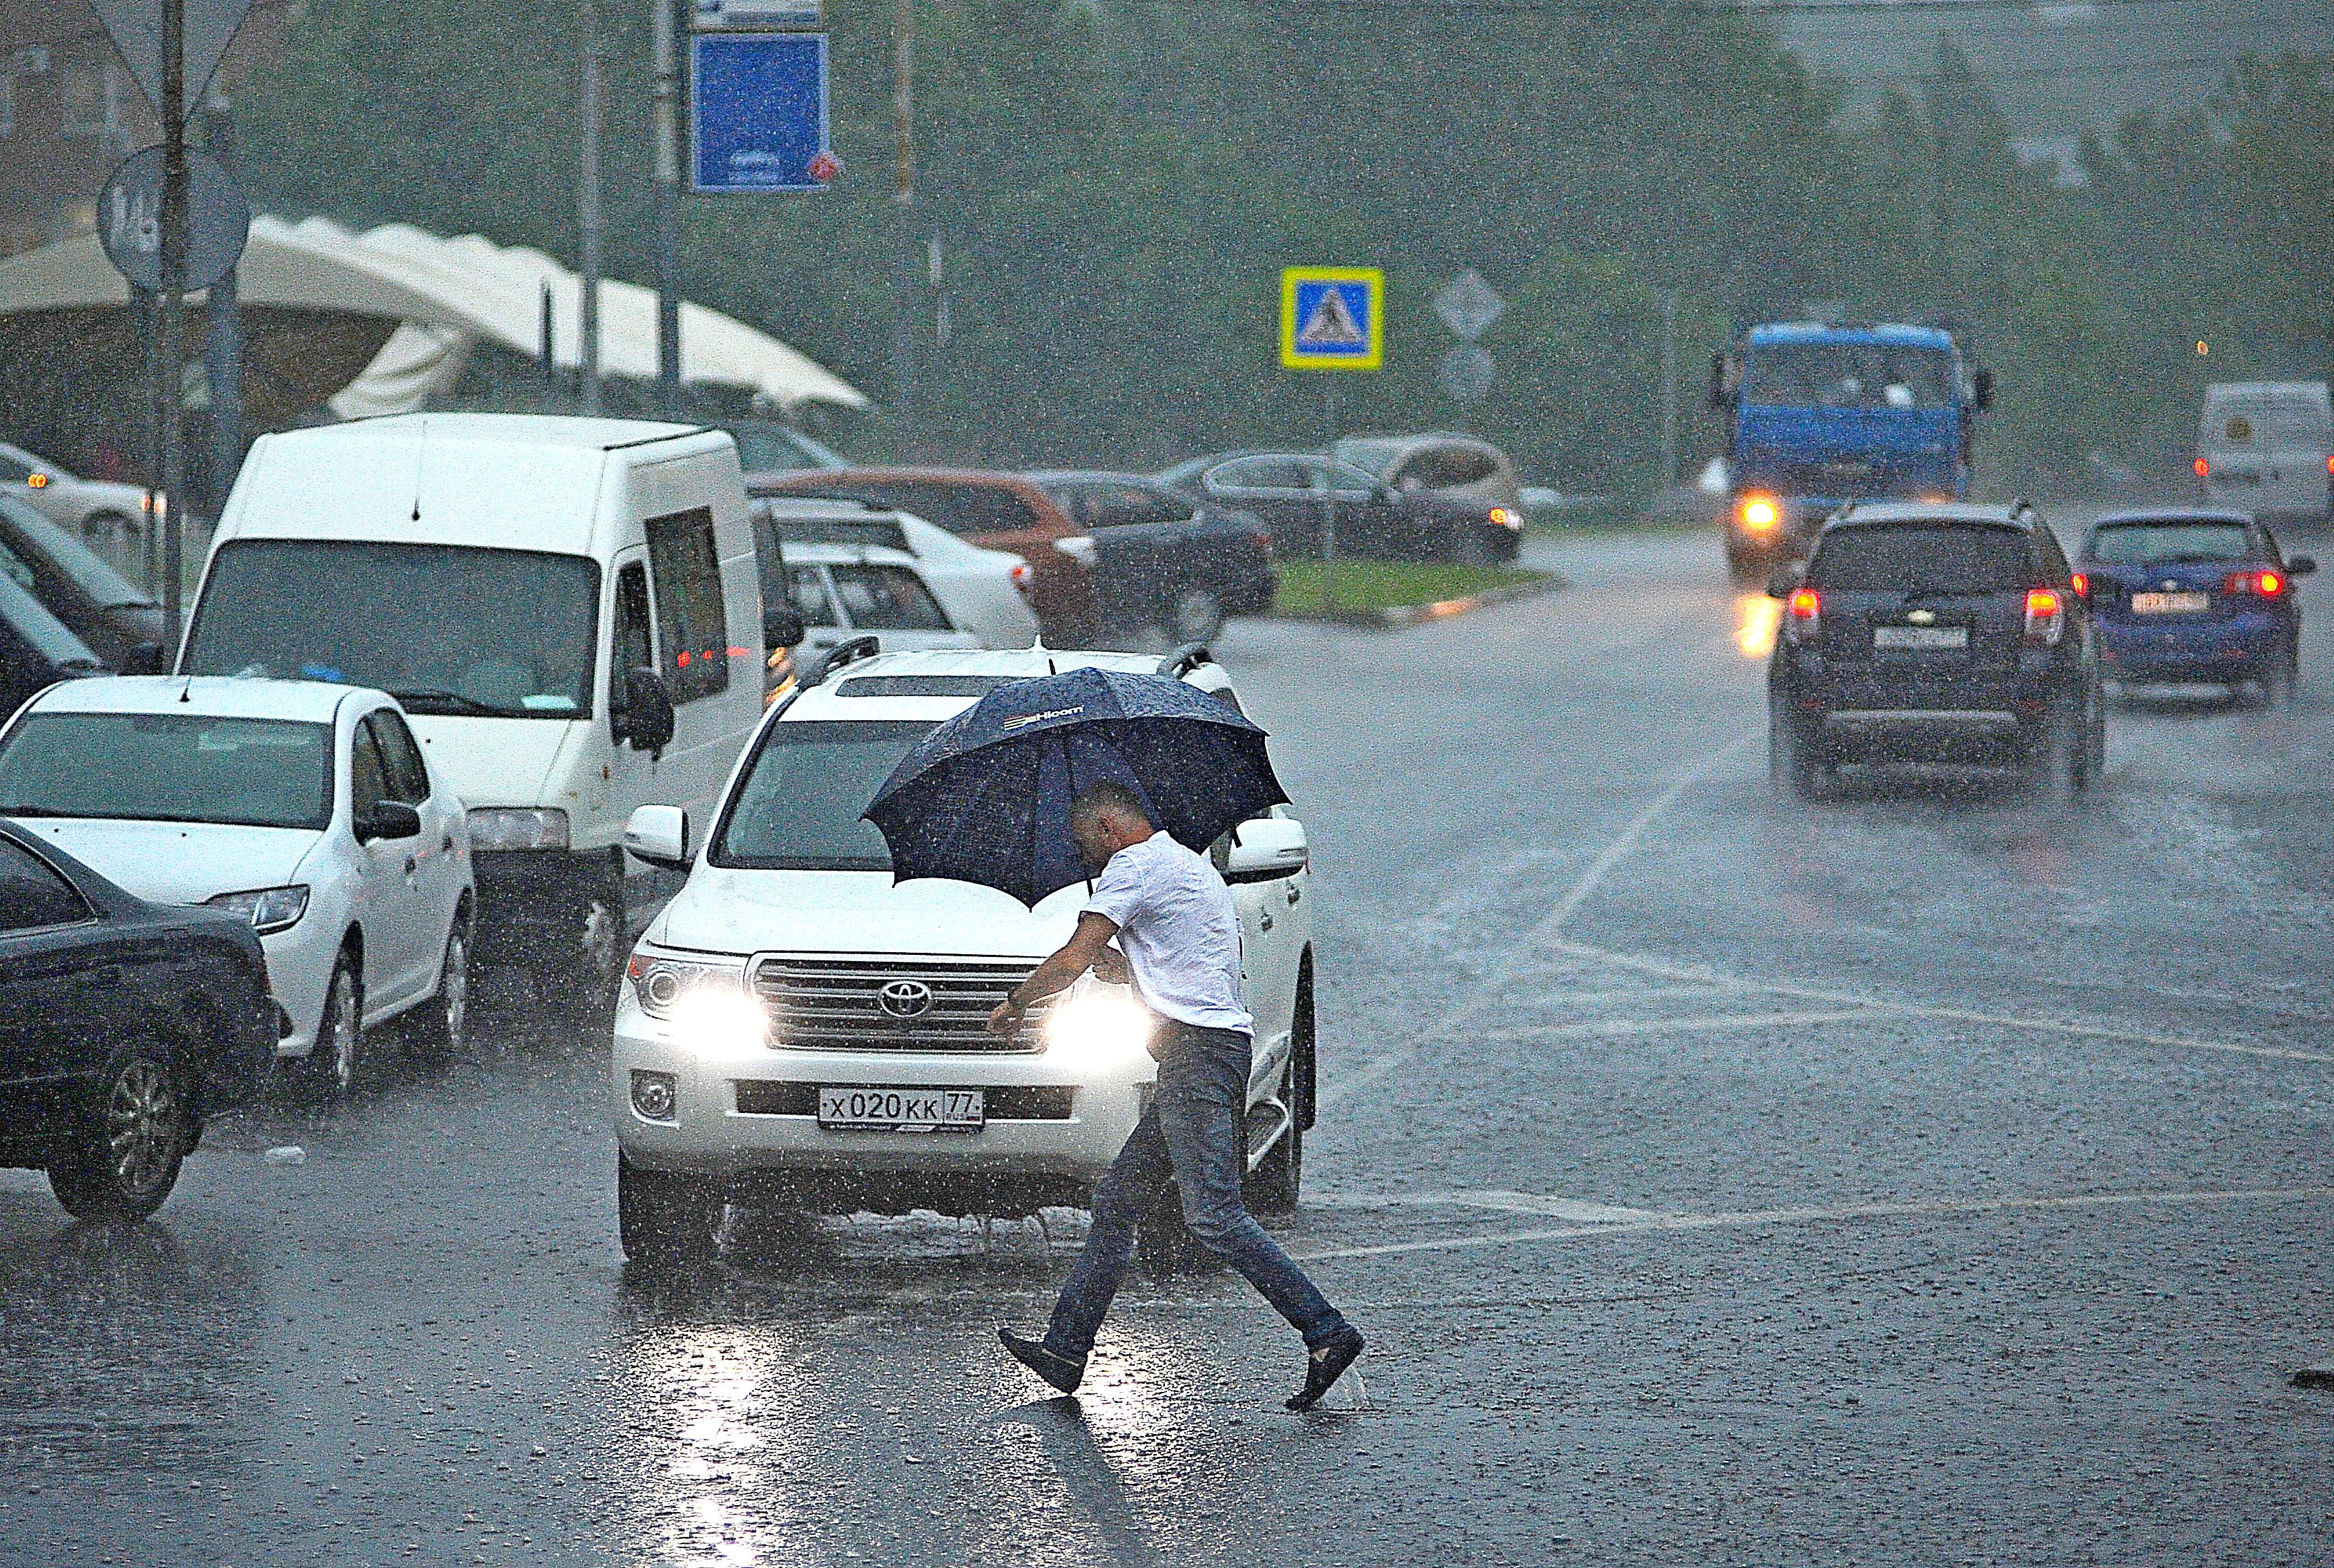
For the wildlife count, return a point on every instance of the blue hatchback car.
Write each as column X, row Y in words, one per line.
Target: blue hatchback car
column 2195, row 596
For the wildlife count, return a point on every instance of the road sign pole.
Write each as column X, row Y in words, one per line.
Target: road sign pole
column 223, row 344
column 587, row 207
column 170, row 371
column 1328, row 497
column 903, row 237
column 662, row 28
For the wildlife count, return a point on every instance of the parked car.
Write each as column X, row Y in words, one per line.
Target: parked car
column 125, row 1027
column 983, row 595
column 2268, row 447
column 1933, row 632
column 93, row 508
column 802, row 1032
column 560, row 605
column 770, row 445
column 306, row 809
column 36, row 648
column 1290, row 490
column 994, row 510
column 1162, row 559
column 122, row 625
column 2195, row 596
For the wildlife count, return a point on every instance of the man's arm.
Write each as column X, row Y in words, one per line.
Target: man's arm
column 1086, row 945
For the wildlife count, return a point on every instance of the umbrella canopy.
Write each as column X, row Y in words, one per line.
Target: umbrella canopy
column 986, row 797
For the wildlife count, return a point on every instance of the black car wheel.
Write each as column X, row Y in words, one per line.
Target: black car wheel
column 1472, row 547
column 138, row 1130
column 2282, row 676
column 1194, row 615
column 2062, row 754
column 667, row 1219
column 1792, row 766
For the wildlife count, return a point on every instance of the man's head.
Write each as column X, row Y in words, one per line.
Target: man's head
column 1105, row 819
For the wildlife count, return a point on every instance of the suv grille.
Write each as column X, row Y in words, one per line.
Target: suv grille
column 891, row 1004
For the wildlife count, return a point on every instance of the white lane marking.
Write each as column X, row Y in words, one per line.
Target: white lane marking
column 1703, row 1024
column 1487, row 991
column 1496, row 1199
column 1927, row 1010
column 1841, row 1213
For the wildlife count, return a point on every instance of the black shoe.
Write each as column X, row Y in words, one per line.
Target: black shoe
column 1059, row 1371
column 1325, row 1365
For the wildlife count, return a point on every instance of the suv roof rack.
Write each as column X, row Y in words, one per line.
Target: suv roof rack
column 1185, row 660
column 856, row 650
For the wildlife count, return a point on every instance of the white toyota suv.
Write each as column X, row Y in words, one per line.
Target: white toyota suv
column 799, row 1033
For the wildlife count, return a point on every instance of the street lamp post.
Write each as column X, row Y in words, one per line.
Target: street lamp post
column 664, row 48
column 170, row 371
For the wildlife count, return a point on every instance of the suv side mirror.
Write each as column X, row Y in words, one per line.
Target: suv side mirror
column 1265, row 848
column 782, row 626
column 2300, row 565
column 648, row 724
column 389, row 819
column 658, row 835
column 1786, row 581
column 1982, row 391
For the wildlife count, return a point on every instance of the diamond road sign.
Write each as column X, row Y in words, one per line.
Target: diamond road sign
column 1468, row 306
column 1332, row 318
column 1466, row 372
column 136, row 29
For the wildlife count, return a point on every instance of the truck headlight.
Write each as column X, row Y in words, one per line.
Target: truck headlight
column 269, row 910
column 706, row 1003
column 518, row 828
column 1102, row 1027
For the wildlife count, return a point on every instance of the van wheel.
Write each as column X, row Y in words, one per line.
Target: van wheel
column 139, row 1127
column 665, row 1220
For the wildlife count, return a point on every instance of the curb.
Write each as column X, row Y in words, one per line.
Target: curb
column 1401, row 616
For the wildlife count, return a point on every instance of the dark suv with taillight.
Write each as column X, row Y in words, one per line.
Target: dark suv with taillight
column 2196, row 596
column 1921, row 632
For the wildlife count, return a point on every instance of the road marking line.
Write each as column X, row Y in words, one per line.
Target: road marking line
column 1499, row 1199
column 1750, row 1219
column 1926, row 1010
column 1702, row 1024
column 1487, row 991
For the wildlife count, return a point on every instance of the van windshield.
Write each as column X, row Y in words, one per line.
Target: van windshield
column 446, row 629
column 798, row 808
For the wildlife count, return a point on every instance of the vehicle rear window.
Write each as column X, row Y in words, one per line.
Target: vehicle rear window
column 959, row 508
column 1923, row 558
column 887, row 599
column 258, row 772
column 692, row 613
column 2138, row 543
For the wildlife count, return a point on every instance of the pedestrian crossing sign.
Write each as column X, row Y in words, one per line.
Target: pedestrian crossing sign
column 1332, row 318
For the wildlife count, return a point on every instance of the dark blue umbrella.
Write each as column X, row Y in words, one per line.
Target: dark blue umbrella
column 986, row 797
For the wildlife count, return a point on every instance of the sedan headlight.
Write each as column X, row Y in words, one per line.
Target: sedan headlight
column 1101, row 1026
column 706, row 1003
column 269, row 910
column 518, row 828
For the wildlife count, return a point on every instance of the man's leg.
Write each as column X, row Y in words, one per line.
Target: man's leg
column 1140, row 1170
column 1201, row 1111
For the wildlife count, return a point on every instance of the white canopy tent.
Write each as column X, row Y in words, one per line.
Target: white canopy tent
column 447, row 295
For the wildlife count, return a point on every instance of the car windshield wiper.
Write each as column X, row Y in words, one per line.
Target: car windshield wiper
column 444, row 701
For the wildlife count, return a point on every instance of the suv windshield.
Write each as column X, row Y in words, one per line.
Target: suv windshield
column 798, row 808
column 169, row 767
column 1921, row 558
column 1847, row 376
column 2135, row 544
column 449, row 628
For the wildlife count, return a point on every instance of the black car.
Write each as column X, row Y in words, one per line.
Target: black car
column 1162, row 559
column 119, row 624
column 124, row 1028
column 36, row 648
column 1292, row 491
column 1922, row 632
column 2196, row 595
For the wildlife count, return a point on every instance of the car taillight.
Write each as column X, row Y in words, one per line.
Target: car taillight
column 2082, row 580
column 1023, row 577
column 2046, row 615
column 2204, row 469
column 2262, row 584
column 1805, row 608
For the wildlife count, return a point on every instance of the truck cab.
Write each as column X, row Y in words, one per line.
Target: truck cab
column 1818, row 414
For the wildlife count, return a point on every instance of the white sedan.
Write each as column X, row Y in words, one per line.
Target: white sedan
column 970, row 597
column 94, row 507
column 307, row 807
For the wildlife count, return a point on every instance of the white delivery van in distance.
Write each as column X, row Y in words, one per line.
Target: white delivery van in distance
column 2268, row 447
column 568, row 610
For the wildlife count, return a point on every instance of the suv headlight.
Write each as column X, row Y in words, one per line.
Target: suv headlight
column 1103, row 1026
column 269, row 910
column 706, row 1003
column 518, row 828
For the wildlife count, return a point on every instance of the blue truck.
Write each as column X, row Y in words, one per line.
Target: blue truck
column 1818, row 414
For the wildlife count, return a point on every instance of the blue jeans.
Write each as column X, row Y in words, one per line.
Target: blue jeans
column 1194, row 1133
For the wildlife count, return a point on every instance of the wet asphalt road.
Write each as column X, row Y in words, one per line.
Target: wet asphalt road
column 1929, row 1174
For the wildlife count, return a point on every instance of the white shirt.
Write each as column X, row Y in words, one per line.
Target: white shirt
column 1179, row 931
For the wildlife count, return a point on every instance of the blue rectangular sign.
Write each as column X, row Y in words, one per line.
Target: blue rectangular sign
column 757, row 112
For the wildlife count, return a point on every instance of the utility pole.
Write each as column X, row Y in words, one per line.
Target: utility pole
column 903, row 239
column 1669, row 387
column 587, row 206
column 664, row 47
column 171, row 371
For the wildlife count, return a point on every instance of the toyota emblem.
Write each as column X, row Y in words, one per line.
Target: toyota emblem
column 904, row 999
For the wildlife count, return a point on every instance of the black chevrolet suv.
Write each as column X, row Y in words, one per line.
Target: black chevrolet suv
column 1922, row 632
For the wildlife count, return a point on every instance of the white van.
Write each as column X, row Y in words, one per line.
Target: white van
column 567, row 609
column 2268, row 447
